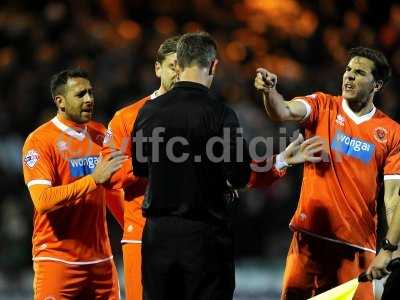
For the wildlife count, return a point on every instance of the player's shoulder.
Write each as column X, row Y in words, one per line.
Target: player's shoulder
column 325, row 97
column 384, row 128
column 384, row 118
column 386, row 123
column 42, row 134
column 131, row 109
column 319, row 97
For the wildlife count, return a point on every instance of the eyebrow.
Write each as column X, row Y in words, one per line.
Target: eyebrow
column 82, row 92
column 356, row 70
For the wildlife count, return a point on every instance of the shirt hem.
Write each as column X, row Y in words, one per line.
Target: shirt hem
column 332, row 240
column 79, row 263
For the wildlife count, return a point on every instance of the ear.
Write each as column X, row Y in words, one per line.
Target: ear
column 378, row 85
column 157, row 69
column 178, row 69
column 60, row 102
column 213, row 67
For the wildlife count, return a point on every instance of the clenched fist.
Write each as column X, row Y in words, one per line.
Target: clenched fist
column 265, row 81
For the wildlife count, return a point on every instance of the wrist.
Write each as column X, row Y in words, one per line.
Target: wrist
column 280, row 162
column 94, row 179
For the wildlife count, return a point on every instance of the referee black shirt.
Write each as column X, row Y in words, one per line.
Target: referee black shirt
column 192, row 182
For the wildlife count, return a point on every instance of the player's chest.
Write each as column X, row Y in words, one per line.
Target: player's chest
column 76, row 158
column 362, row 142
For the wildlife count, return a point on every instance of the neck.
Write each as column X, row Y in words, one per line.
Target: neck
column 196, row 74
column 361, row 108
column 63, row 117
column 161, row 90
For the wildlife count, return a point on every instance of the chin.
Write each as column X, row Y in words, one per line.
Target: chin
column 349, row 97
column 83, row 120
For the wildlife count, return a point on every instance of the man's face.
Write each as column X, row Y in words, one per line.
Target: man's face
column 166, row 71
column 78, row 100
column 358, row 81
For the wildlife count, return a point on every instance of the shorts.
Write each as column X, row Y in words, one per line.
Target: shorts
column 315, row 265
column 60, row 281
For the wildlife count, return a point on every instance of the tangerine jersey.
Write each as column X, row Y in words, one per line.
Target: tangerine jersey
column 118, row 137
column 338, row 199
column 60, row 155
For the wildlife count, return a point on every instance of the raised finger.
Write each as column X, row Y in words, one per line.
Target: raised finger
column 298, row 140
column 116, row 167
column 311, row 140
column 314, row 150
column 314, row 159
column 114, row 154
column 314, row 145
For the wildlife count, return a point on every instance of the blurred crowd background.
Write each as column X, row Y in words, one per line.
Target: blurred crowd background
column 304, row 42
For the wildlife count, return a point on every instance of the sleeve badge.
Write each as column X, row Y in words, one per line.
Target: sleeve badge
column 31, row 158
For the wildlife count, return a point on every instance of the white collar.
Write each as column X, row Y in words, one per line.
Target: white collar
column 357, row 119
column 154, row 95
column 68, row 130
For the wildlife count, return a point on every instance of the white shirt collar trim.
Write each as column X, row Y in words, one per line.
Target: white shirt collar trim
column 357, row 119
column 154, row 95
column 68, row 130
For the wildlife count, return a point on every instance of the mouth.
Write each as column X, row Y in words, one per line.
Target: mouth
column 348, row 87
column 88, row 110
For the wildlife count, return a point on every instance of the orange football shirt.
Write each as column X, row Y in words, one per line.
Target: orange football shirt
column 118, row 137
column 58, row 153
column 338, row 199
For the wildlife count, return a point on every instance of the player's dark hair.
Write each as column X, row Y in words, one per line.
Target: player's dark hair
column 166, row 48
column 382, row 70
column 197, row 48
column 58, row 81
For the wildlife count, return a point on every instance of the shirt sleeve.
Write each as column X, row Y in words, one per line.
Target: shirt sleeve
column 38, row 163
column 264, row 173
column 391, row 168
column 237, row 169
column 47, row 198
column 314, row 103
column 115, row 204
column 39, row 174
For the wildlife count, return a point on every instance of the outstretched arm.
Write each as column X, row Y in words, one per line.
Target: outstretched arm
column 299, row 151
column 276, row 107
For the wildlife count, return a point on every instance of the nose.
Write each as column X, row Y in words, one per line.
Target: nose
column 349, row 75
column 89, row 98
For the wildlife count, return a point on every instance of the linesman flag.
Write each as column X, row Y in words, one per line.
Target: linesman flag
column 344, row 291
column 347, row 290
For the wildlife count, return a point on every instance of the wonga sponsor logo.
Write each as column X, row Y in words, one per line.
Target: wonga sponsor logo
column 353, row 147
column 83, row 166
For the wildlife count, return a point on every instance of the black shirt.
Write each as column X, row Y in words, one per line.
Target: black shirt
column 187, row 176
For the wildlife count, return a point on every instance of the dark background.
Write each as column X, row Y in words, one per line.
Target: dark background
column 304, row 42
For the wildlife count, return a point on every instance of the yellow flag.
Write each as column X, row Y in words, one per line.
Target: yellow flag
column 344, row 291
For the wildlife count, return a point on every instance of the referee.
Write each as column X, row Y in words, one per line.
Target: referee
column 189, row 146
